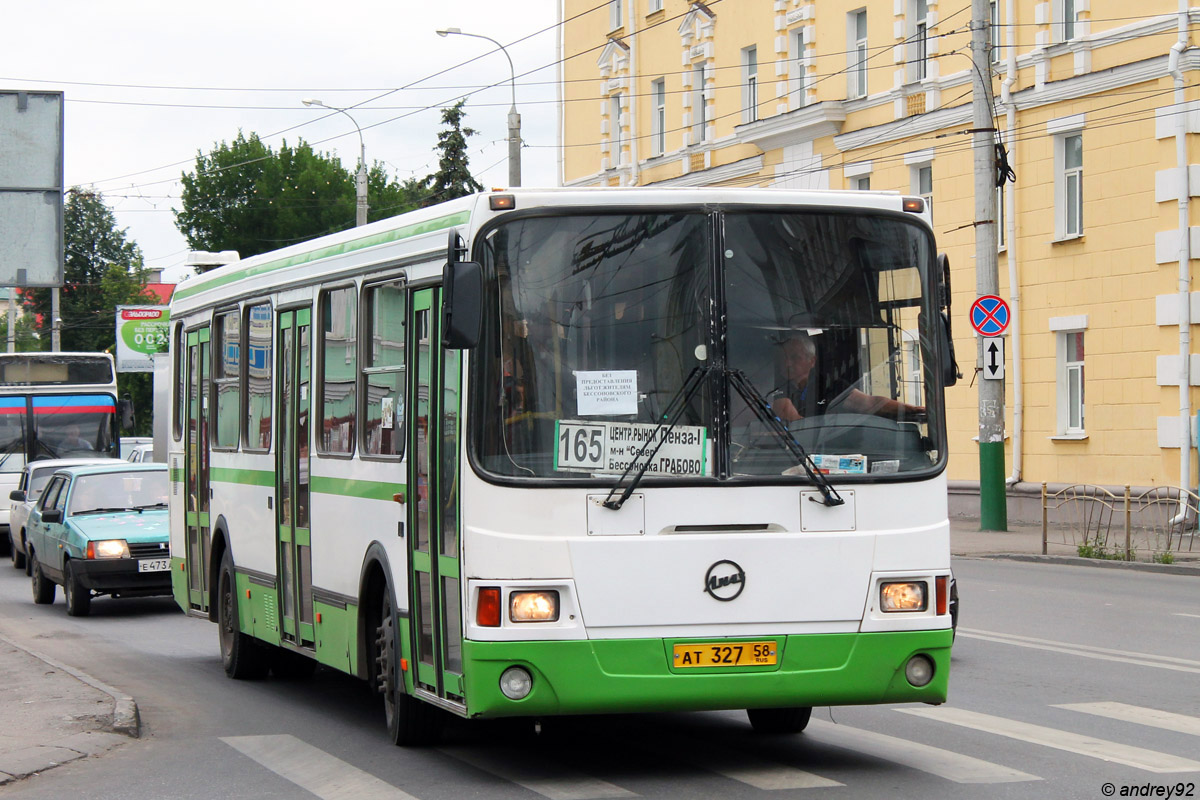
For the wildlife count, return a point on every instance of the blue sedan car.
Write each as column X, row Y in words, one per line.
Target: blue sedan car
column 100, row 529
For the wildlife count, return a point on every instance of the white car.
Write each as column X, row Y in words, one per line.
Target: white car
column 141, row 453
column 33, row 480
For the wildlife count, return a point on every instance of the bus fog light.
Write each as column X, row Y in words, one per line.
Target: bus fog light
column 903, row 596
column 515, row 683
column 919, row 670
column 533, row 606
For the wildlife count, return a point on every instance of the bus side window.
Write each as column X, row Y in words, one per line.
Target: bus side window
column 258, row 377
column 228, row 378
column 384, row 370
column 338, row 351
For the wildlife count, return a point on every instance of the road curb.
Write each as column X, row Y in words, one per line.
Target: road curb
column 125, row 717
column 1140, row 566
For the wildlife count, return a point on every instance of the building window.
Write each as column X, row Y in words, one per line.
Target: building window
column 338, row 351
column 922, row 183
column 614, row 119
column 654, row 5
column 258, row 377
column 1068, row 157
column 857, row 67
column 228, row 379
column 750, row 84
column 658, row 116
column 384, row 370
column 861, row 184
column 614, row 14
column 1067, row 18
column 918, row 46
column 796, row 83
column 995, row 37
column 1070, row 382
column 699, row 110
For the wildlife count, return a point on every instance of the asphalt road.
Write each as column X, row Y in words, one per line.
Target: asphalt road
column 1064, row 678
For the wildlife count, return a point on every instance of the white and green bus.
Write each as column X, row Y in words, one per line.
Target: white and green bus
column 521, row 454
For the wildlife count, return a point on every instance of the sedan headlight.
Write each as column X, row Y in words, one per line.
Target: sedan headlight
column 533, row 606
column 903, row 596
column 108, row 548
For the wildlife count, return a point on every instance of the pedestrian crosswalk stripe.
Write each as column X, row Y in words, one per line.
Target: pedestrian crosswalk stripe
column 1129, row 755
column 1167, row 720
column 1086, row 651
column 313, row 769
column 934, row 760
column 542, row 777
column 746, row 768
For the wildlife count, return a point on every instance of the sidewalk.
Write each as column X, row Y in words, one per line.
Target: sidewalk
column 1024, row 543
column 51, row 714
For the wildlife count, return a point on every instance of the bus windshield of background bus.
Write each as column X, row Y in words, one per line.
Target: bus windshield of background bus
column 601, row 318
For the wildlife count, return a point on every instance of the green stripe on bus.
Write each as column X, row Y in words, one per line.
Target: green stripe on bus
column 368, row 490
column 246, row 477
column 406, row 232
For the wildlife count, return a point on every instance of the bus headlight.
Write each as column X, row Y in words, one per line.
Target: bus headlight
column 516, row 683
column 533, row 606
column 903, row 596
column 108, row 548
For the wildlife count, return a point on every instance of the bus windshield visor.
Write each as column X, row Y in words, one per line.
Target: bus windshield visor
column 811, row 333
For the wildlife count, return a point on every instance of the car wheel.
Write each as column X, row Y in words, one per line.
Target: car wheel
column 18, row 558
column 779, row 720
column 78, row 596
column 43, row 588
column 410, row 722
column 241, row 655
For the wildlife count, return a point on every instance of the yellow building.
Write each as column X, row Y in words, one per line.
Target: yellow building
column 876, row 94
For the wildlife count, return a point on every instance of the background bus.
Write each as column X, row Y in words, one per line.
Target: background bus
column 53, row 405
column 549, row 480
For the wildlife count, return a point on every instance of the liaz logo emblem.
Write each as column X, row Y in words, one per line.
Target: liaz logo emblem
column 725, row 581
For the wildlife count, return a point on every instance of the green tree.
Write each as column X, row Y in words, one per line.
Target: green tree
column 247, row 197
column 453, row 177
column 27, row 334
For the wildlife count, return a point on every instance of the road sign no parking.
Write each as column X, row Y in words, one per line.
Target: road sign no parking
column 989, row 315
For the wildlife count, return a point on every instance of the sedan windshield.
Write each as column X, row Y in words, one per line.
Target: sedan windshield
column 797, row 327
column 118, row 491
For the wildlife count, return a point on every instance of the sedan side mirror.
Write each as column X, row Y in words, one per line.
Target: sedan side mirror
column 51, row 515
column 18, row 495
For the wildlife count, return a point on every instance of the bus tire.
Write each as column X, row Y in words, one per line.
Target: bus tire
column 78, row 596
column 18, row 558
column 241, row 655
column 43, row 587
column 774, row 721
column 410, row 722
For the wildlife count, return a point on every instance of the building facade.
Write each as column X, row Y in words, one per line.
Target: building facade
column 1095, row 109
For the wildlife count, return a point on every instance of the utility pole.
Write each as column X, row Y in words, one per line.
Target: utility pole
column 993, row 508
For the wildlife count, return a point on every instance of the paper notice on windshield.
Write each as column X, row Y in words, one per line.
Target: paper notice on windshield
column 840, row 465
column 606, row 392
column 610, row 447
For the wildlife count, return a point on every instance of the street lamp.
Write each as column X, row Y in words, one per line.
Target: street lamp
column 360, row 180
column 514, row 119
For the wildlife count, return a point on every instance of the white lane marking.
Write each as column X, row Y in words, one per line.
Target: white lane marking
column 545, row 778
column 748, row 769
column 1086, row 651
column 313, row 769
column 934, row 760
column 1167, row 720
column 1181, row 614
column 1129, row 755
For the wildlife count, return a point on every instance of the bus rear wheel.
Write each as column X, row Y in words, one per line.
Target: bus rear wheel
column 411, row 722
column 242, row 657
column 779, row 720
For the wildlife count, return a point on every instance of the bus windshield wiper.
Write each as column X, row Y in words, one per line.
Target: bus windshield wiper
column 762, row 409
column 670, row 418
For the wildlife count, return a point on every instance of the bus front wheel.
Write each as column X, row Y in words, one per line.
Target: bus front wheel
column 242, row 657
column 410, row 722
column 779, row 720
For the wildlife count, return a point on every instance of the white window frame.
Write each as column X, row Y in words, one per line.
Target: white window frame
column 994, row 39
column 614, row 14
column 797, row 85
column 1065, row 15
column 750, row 84
column 614, row 119
column 1068, row 180
column 1071, row 420
column 858, row 176
column 658, row 116
column 856, row 54
column 918, row 42
column 653, row 5
column 921, row 182
column 699, row 107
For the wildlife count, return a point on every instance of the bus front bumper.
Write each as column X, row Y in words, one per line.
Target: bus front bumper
column 633, row 675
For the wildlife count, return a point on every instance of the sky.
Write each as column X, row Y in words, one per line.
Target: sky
column 149, row 84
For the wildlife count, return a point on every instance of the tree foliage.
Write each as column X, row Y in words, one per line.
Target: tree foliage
column 453, row 177
column 247, row 197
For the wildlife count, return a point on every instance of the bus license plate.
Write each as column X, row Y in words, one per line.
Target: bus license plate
column 154, row 565
column 726, row 654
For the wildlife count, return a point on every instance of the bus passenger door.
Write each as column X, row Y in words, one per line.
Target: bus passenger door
column 436, row 615
column 293, row 539
column 195, row 459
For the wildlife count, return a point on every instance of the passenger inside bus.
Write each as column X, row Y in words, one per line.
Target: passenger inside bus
column 797, row 398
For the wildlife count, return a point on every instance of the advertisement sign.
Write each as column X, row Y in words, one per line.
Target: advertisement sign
column 141, row 332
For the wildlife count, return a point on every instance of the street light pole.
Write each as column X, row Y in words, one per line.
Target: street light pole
column 514, row 119
column 360, row 180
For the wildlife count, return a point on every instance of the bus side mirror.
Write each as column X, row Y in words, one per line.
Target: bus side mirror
column 950, row 373
column 462, row 304
column 125, row 407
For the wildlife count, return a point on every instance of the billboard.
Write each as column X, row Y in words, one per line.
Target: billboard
column 31, row 188
column 141, row 332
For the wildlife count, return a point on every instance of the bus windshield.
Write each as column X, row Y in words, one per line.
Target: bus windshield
column 822, row 319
